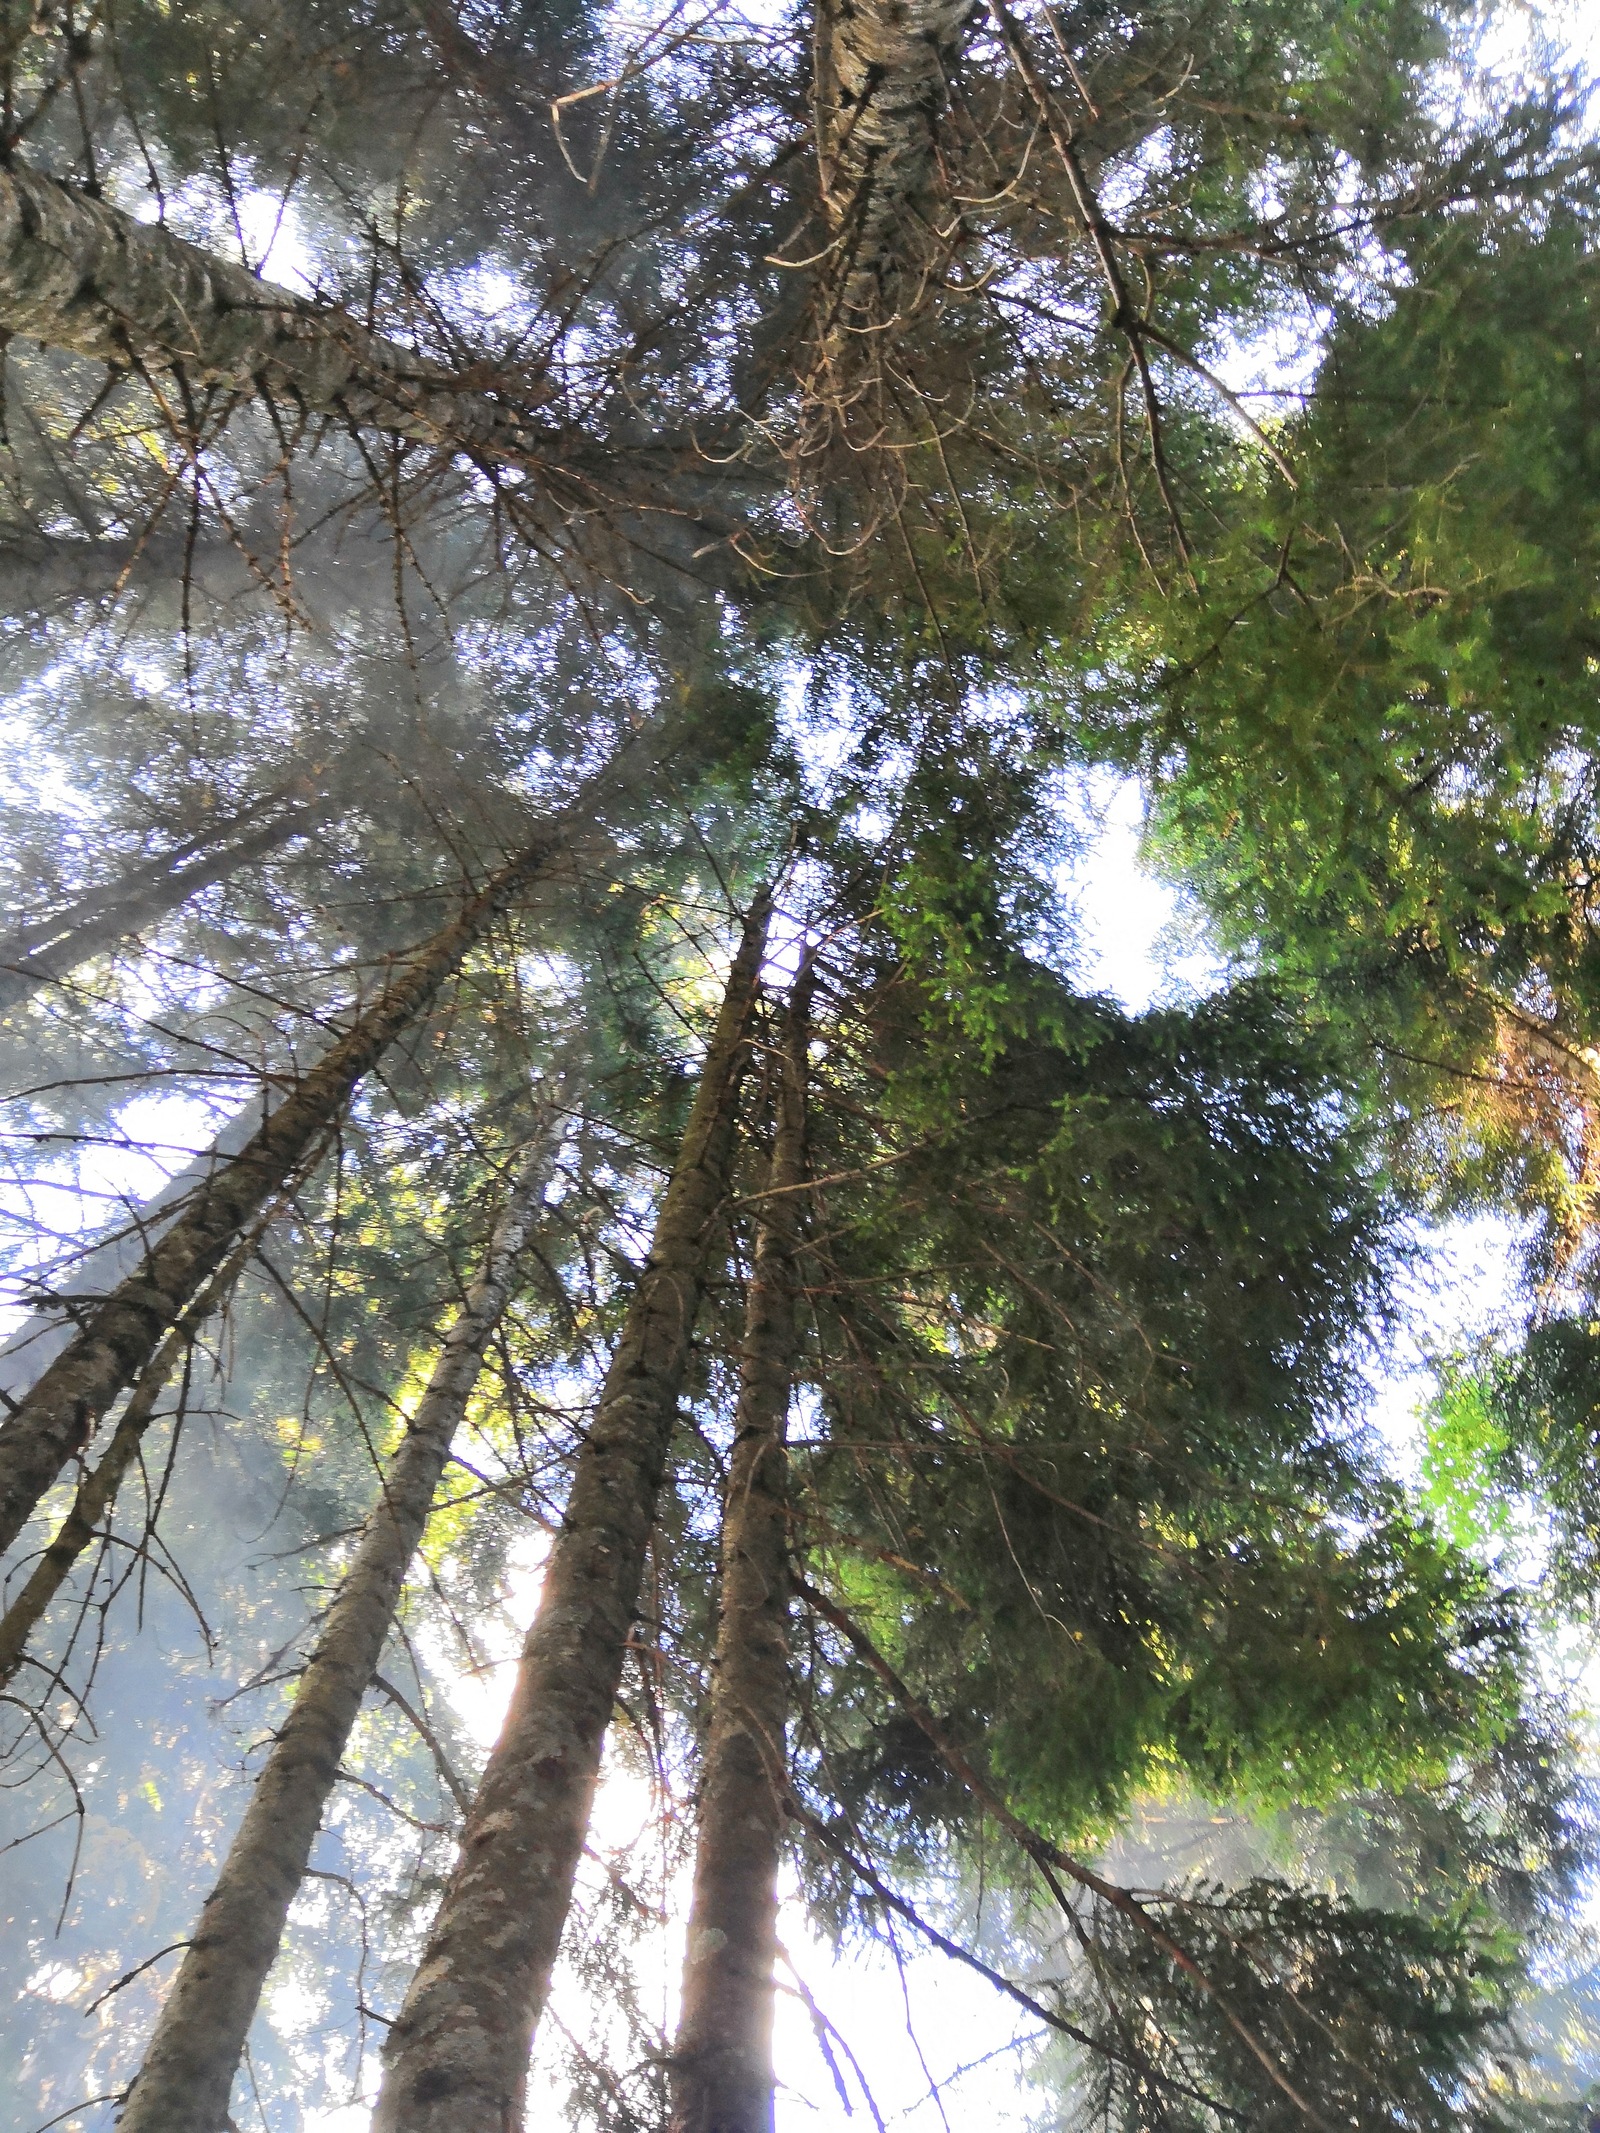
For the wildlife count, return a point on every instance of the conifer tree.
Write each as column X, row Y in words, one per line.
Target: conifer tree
column 58, row 1414
column 458, row 2050
column 836, row 404
column 188, row 2071
column 722, row 2059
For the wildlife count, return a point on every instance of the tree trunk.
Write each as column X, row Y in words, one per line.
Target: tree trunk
column 721, row 2068
column 51, row 948
column 884, row 69
column 117, row 1337
column 98, row 1489
column 457, row 2057
column 81, row 275
column 188, row 2072
column 46, row 1331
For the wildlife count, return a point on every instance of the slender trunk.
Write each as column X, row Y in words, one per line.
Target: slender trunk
column 36, row 954
column 721, row 2070
column 98, row 1489
column 188, row 2072
column 82, row 275
column 118, row 1336
column 457, row 2057
column 46, row 1331
column 33, row 934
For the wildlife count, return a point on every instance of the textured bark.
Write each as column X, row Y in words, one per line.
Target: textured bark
column 98, row 1490
column 883, row 71
column 118, row 1336
column 81, row 275
column 46, row 1331
column 457, row 2058
column 52, row 948
column 721, row 2071
column 189, row 2068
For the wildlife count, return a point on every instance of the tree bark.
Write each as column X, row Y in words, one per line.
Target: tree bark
column 457, row 2058
column 187, row 2077
column 883, row 73
column 721, row 2071
column 118, row 1336
column 52, row 948
column 98, row 1489
column 82, row 275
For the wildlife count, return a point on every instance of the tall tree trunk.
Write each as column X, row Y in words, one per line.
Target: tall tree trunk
column 51, row 948
column 46, row 1331
column 80, row 274
column 188, row 2072
column 884, row 69
column 721, row 2069
column 97, row 1492
column 117, row 1337
column 457, row 2058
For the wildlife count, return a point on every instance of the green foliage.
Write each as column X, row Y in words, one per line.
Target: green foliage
column 1300, row 2007
column 1463, row 1459
column 1088, row 1294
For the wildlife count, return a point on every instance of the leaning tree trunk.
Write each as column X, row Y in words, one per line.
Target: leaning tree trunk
column 48, row 949
column 457, row 2058
column 721, row 2069
column 82, row 275
column 48, row 1329
column 187, row 2077
column 97, row 1491
column 117, row 1337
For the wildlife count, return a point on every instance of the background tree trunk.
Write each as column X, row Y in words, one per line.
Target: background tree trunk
column 457, row 2057
column 721, row 2069
column 188, row 2072
column 118, row 1337
column 52, row 948
column 48, row 1330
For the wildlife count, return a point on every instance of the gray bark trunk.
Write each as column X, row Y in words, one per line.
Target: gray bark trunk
column 45, row 1332
column 118, row 1336
column 721, row 2071
column 98, row 1490
column 187, row 2077
column 37, row 954
column 883, row 72
column 457, row 2058
column 81, row 275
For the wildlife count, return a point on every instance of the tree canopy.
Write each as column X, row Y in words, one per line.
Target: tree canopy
column 622, row 1375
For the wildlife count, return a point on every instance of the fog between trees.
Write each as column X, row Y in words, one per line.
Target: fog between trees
column 565, row 572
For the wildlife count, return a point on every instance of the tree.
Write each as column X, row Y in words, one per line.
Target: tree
column 188, row 2071
column 56, row 1416
column 722, row 2058
column 1369, row 744
column 814, row 401
column 459, row 2047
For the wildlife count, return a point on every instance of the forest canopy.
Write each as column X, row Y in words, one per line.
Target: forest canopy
column 648, row 1425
